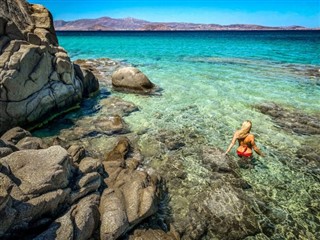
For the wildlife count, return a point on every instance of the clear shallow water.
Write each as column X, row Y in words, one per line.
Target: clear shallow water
column 210, row 82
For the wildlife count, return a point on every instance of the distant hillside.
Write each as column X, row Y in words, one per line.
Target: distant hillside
column 123, row 24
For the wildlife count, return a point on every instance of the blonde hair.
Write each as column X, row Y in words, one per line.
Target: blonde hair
column 245, row 129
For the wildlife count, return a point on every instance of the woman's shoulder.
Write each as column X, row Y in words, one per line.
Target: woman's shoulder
column 250, row 135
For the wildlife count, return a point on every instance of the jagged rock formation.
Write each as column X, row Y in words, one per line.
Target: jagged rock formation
column 37, row 78
column 53, row 193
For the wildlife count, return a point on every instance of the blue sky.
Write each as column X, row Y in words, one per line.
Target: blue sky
column 263, row 12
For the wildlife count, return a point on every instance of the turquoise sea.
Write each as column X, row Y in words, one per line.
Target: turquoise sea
column 211, row 82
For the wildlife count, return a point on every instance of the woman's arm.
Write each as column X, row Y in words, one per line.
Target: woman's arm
column 233, row 141
column 256, row 149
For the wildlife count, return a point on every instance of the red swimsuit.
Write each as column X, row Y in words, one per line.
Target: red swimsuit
column 244, row 154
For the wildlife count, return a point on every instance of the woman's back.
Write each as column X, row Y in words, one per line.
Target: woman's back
column 247, row 141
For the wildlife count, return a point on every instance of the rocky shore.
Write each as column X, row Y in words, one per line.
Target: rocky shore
column 91, row 177
column 49, row 192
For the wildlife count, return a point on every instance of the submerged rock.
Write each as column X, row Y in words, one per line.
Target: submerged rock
column 37, row 78
column 102, row 68
column 208, row 197
column 131, row 79
column 147, row 234
column 291, row 121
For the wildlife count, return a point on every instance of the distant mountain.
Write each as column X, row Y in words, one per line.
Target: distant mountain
column 127, row 24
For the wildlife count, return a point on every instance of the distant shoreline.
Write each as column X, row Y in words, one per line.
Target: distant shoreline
column 133, row 24
column 240, row 30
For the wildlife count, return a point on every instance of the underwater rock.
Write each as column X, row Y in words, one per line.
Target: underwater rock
column 117, row 106
column 208, row 197
column 95, row 127
column 102, row 68
column 130, row 79
column 38, row 80
column 228, row 212
column 308, row 157
column 291, row 121
column 147, row 234
column 108, row 122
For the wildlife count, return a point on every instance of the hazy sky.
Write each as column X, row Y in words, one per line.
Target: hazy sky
column 263, row 12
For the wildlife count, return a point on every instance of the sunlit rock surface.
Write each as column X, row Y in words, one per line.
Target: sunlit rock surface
column 37, row 78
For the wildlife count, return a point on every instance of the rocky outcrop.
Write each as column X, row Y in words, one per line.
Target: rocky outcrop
column 131, row 79
column 132, row 194
column 53, row 193
column 37, row 78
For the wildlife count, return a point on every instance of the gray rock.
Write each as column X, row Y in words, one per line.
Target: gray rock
column 86, row 184
column 30, row 64
column 31, row 143
column 132, row 80
column 77, row 153
column 3, row 23
column 5, row 151
column 131, row 195
column 55, row 165
column 88, row 165
column 114, row 221
column 14, row 135
column 4, row 40
column 34, row 39
column 292, row 121
column 78, row 223
column 88, row 79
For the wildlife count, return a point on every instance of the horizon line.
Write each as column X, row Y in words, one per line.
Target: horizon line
column 253, row 24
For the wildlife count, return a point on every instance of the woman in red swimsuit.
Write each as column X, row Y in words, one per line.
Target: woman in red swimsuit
column 246, row 141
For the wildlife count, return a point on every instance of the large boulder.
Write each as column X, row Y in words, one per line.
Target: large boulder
column 131, row 79
column 37, row 78
column 34, row 183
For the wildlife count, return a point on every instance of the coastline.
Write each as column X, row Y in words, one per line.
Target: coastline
column 136, row 165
